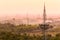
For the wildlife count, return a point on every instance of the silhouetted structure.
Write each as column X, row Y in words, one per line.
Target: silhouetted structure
column 44, row 26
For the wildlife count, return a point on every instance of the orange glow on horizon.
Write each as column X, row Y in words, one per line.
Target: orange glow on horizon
column 14, row 8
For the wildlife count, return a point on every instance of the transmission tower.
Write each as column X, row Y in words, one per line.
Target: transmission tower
column 44, row 26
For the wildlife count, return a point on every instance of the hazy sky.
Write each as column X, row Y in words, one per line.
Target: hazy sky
column 13, row 8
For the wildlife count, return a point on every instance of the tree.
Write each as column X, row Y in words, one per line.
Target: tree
column 57, row 37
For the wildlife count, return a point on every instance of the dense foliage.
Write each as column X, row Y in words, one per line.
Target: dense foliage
column 14, row 32
column 13, row 36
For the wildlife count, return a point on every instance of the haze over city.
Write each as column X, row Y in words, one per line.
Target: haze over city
column 29, row 20
column 34, row 8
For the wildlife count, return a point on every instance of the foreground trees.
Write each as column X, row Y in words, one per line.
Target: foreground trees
column 11, row 36
column 12, row 32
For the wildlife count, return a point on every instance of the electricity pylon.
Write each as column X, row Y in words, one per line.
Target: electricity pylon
column 44, row 26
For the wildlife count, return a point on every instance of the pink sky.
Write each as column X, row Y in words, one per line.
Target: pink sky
column 13, row 8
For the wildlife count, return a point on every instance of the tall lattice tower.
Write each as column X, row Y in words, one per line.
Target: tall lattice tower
column 44, row 27
column 44, row 14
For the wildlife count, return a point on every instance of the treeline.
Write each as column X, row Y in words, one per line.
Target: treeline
column 14, row 36
column 18, row 28
column 10, row 31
